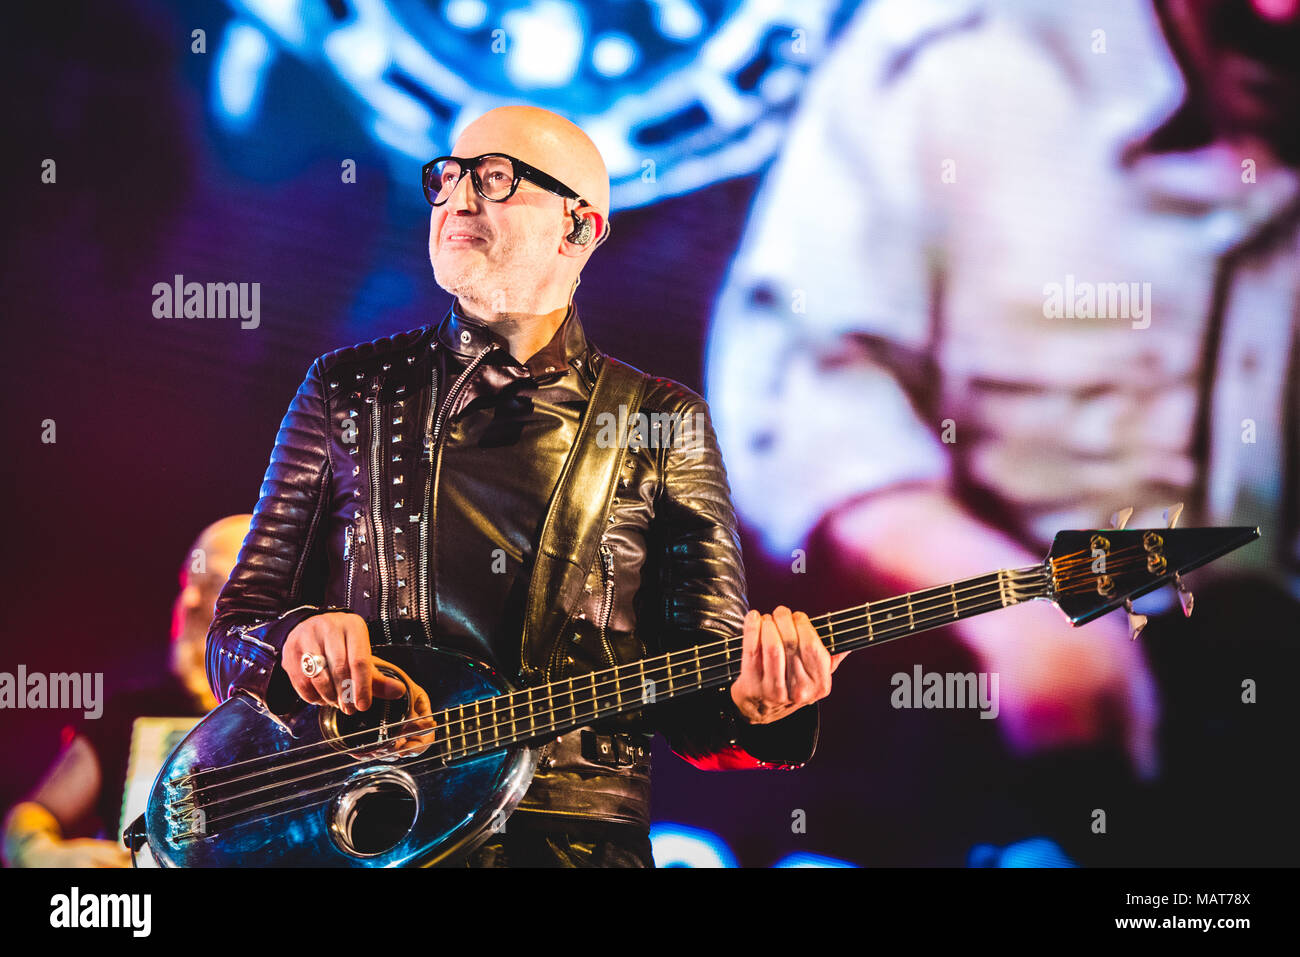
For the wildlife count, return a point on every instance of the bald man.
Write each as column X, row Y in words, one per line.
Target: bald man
column 411, row 481
column 510, row 264
column 83, row 789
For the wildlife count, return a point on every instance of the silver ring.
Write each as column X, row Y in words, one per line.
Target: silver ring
column 311, row 664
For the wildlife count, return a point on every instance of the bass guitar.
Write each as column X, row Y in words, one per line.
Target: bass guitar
column 323, row 790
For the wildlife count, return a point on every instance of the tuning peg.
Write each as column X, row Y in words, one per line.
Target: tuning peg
column 1120, row 518
column 1185, row 597
column 1172, row 513
column 1136, row 622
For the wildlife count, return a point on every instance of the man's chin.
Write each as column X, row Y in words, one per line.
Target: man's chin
column 454, row 277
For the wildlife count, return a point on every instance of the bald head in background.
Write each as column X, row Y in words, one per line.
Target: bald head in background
column 510, row 264
column 207, row 565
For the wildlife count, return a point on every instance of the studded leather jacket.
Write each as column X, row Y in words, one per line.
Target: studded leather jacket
column 349, row 510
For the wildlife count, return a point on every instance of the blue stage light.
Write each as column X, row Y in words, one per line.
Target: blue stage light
column 676, row 845
column 1033, row 852
column 804, row 859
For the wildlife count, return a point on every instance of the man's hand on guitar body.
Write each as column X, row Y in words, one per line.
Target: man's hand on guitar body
column 784, row 666
column 348, row 678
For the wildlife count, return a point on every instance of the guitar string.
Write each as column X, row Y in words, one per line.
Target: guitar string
column 453, row 740
column 869, row 610
column 527, row 696
column 454, row 754
column 510, row 718
column 712, row 680
column 923, row 606
column 1084, row 583
column 718, row 673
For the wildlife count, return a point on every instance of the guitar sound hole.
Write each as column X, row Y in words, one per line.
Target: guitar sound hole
column 375, row 812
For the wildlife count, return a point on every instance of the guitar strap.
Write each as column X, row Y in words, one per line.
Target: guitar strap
column 578, row 512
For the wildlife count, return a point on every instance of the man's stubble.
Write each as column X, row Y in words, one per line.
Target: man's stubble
column 505, row 281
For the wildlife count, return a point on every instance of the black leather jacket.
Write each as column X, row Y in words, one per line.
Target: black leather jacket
column 343, row 517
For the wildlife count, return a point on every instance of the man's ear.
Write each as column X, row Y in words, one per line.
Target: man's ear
column 596, row 224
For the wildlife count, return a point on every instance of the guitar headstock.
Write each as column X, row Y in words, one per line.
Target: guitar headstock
column 1096, row 571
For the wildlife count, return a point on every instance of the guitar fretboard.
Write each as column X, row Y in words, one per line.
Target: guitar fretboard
column 492, row 723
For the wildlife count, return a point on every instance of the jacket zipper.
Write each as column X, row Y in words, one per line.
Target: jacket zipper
column 422, row 610
column 347, row 557
column 356, row 538
column 375, row 510
column 607, row 569
column 606, row 610
column 432, row 430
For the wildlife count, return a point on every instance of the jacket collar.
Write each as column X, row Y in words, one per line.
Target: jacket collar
column 566, row 350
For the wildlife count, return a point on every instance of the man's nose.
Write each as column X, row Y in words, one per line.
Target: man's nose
column 463, row 196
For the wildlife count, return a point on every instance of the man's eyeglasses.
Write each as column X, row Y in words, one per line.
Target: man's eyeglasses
column 495, row 176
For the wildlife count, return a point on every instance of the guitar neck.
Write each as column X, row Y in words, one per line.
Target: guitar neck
column 559, row 706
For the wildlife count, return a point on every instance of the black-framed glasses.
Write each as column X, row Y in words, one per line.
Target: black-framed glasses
column 495, row 176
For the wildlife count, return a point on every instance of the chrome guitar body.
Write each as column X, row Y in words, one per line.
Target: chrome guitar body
column 240, row 790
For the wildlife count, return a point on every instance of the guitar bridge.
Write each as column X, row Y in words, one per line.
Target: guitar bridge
column 186, row 818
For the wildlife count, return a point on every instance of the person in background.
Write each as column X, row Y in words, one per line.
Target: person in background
column 83, row 789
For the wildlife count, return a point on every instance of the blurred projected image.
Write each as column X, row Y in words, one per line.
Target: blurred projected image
column 1019, row 266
